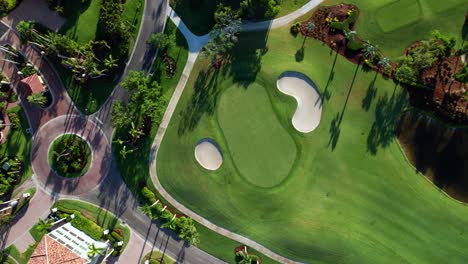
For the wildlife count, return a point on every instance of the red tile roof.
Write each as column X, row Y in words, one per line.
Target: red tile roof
column 32, row 84
column 49, row 251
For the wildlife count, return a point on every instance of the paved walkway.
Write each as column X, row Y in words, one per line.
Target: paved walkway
column 281, row 21
column 18, row 233
column 195, row 45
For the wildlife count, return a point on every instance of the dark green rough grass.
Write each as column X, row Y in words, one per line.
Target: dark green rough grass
column 61, row 144
column 134, row 168
column 351, row 197
column 200, row 19
column 19, row 143
column 98, row 215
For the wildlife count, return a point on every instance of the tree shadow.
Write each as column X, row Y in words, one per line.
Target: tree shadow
column 370, row 95
column 203, row 100
column 299, row 54
column 335, row 125
column 326, row 93
column 387, row 111
column 245, row 58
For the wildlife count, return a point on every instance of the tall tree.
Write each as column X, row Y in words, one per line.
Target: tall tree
column 94, row 251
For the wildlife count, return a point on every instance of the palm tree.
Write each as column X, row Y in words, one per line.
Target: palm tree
column 135, row 133
column 384, row 62
column 369, row 50
column 43, row 226
column 124, row 151
column 110, row 63
column 37, row 99
column 171, row 224
column 310, row 26
column 147, row 210
column 94, row 251
column 349, row 34
column 245, row 257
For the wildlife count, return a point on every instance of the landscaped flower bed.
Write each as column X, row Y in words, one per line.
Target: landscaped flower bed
column 70, row 156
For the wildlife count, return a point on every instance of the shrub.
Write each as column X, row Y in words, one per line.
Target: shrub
column 354, row 44
column 87, row 226
column 345, row 25
column 462, row 75
column 4, row 188
column 116, row 236
column 148, row 194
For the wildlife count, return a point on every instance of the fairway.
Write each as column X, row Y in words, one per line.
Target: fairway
column 261, row 148
column 349, row 195
column 386, row 14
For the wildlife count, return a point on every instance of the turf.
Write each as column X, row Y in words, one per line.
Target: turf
column 376, row 17
column 200, row 19
column 18, row 143
column 82, row 23
column 350, row 197
column 246, row 115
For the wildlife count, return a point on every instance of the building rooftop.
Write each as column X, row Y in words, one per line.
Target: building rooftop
column 32, row 84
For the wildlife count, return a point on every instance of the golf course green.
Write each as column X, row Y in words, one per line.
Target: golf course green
column 342, row 194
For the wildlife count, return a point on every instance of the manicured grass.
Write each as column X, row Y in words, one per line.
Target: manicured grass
column 134, row 168
column 19, row 143
column 200, row 19
column 82, row 26
column 409, row 13
column 156, row 256
column 350, row 196
column 405, row 23
column 70, row 156
column 250, row 109
column 98, row 215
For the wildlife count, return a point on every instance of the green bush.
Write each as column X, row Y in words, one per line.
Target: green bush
column 87, row 226
column 148, row 194
column 4, row 188
column 344, row 26
column 65, row 210
column 354, row 44
column 462, row 75
column 116, row 236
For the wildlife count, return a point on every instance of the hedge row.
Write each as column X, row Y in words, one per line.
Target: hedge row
column 87, row 226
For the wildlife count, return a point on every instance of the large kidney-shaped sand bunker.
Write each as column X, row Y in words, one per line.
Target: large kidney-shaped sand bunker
column 309, row 102
column 208, row 154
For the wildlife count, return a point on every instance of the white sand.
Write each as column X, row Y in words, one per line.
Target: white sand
column 309, row 102
column 208, row 155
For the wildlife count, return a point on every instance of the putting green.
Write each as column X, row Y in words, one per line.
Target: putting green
column 262, row 150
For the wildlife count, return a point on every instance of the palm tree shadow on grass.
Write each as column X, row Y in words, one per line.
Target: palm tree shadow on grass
column 370, row 94
column 387, row 111
column 335, row 125
column 203, row 100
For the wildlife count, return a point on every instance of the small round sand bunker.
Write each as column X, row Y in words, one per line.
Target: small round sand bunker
column 309, row 102
column 207, row 153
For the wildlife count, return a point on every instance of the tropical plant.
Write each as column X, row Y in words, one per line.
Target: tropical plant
column 147, row 210
column 384, row 62
column 124, row 151
column 37, row 99
column 310, row 26
column 161, row 41
column 369, row 50
column 349, row 33
column 188, row 231
column 245, row 258
column 94, row 251
column 43, row 226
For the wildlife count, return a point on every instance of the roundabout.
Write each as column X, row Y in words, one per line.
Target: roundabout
column 89, row 174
